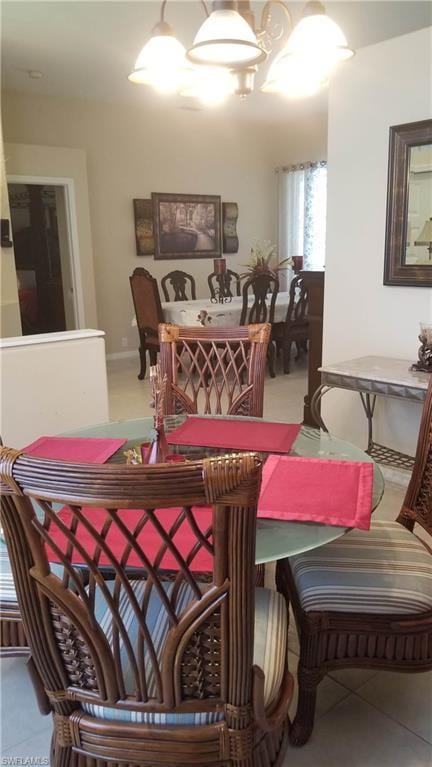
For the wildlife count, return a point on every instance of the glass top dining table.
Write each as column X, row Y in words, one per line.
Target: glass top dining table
column 276, row 539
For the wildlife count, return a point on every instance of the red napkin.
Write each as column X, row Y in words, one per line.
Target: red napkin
column 79, row 449
column 315, row 490
column 149, row 539
column 240, row 435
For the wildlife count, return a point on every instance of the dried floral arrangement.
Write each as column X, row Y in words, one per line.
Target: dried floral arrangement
column 157, row 451
column 263, row 260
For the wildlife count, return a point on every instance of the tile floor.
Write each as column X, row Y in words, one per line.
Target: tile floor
column 364, row 718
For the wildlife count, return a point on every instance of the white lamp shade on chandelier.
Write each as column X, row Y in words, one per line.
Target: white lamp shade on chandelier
column 211, row 85
column 160, row 63
column 226, row 39
column 228, row 47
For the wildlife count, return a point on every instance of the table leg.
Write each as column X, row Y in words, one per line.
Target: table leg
column 369, row 403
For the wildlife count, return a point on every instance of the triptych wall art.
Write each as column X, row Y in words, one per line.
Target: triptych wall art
column 170, row 226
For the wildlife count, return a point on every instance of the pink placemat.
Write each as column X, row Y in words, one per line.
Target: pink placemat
column 80, row 449
column 239, row 435
column 150, row 540
column 317, row 490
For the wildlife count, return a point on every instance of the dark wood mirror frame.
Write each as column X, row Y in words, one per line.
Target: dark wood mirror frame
column 396, row 272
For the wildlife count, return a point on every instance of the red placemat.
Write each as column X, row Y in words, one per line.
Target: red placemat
column 239, row 435
column 315, row 490
column 79, row 449
column 149, row 539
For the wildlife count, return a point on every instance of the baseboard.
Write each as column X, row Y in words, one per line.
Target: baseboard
column 121, row 355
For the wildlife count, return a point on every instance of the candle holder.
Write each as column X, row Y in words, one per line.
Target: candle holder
column 158, row 449
column 425, row 351
column 222, row 293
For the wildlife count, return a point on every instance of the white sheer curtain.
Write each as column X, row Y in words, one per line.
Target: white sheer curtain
column 302, row 199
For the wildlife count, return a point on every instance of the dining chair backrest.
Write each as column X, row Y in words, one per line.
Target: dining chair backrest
column 178, row 281
column 146, row 299
column 298, row 305
column 259, row 298
column 162, row 643
column 223, row 283
column 417, row 505
column 214, row 369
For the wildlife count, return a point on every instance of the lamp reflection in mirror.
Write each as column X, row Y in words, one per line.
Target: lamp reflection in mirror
column 425, row 237
column 229, row 39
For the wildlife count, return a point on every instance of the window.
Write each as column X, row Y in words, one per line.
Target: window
column 302, row 193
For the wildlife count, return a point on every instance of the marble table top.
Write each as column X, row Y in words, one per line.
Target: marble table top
column 381, row 375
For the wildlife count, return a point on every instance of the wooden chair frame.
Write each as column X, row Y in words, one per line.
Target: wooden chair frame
column 178, row 280
column 335, row 640
column 262, row 286
column 224, row 283
column 215, row 361
column 295, row 329
column 207, row 661
column 147, row 323
column 13, row 643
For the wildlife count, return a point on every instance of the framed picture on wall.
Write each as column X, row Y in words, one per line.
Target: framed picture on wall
column 143, row 214
column 187, row 225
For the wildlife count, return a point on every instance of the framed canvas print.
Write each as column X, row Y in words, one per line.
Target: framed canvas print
column 143, row 213
column 187, row 225
column 229, row 227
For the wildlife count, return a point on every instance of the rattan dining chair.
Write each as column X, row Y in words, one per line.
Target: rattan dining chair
column 148, row 313
column 155, row 667
column 365, row 600
column 214, row 369
column 13, row 642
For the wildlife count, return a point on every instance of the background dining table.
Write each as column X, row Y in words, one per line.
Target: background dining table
column 203, row 311
column 276, row 539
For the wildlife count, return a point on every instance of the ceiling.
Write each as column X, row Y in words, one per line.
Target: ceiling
column 86, row 49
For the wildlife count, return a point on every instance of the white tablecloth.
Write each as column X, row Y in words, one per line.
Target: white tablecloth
column 203, row 312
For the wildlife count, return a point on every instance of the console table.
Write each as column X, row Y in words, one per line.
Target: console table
column 372, row 377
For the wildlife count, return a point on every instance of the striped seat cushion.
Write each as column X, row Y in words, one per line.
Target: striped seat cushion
column 7, row 586
column 269, row 650
column 384, row 570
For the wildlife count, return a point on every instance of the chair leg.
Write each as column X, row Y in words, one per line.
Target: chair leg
column 153, row 356
column 62, row 756
column 41, row 696
column 271, row 356
column 301, row 349
column 287, row 357
column 143, row 364
column 303, row 723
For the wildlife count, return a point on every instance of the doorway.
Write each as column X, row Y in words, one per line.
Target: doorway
column 43, row 256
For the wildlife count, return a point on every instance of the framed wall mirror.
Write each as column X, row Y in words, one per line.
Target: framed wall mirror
column 408, row 248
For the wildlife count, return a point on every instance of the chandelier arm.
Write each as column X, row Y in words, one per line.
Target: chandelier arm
column 206, row 10
column 163, row 6
column 266, row 12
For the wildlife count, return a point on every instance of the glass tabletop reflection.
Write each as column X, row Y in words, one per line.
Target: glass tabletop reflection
column 276, row 539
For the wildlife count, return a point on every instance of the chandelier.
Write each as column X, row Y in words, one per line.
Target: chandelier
column 229, row 47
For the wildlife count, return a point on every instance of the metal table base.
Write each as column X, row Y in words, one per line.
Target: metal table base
column 372, row 377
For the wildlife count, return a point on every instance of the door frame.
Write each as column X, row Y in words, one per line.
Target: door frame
column 72, row 230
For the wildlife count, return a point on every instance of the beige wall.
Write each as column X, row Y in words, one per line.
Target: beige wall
column 385, row 84
column 132, row 152
column 10, row 320
column 60, row 163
